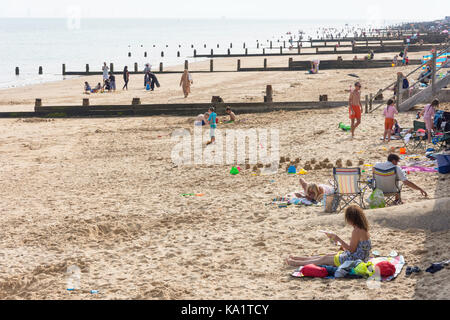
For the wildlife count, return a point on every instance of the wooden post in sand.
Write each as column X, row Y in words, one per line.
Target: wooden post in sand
column 212, row 52
column 264, row 51
column 270, row 44
column 186, row 65
column 317, row 49
column 211, row 65
column 87, row 68
column 229, row 52
column 18, row 71
column 367, row 103
column 246, row 51
column 85, row 102
column 129, row 54
column 111, row 67
column 178, row 54
column 398, row 86
column 161, row 67
column 135, row 67
column 38, row 103
column 265, row 63
column 433, row 72
column 136, row 101
column 269, row 93
column 162, row 54
column 239, row 65
column 63, row 69
column 290, row 63
column 145, row 54
column 370, row 102
column 281, row 50
column 298, row 49
column 195, row 53
column 40, row 70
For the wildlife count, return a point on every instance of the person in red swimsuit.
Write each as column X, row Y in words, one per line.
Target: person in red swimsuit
column 355, row 108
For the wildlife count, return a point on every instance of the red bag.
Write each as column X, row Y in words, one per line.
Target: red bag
column 311, row 270
column 386, row 268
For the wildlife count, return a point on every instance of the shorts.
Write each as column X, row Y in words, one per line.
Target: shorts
column 388, row 124
column 428, row 124
column 337, row 261
column 356, row 112
column 212, row 132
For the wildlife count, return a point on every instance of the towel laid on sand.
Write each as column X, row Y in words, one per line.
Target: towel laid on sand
column 398, row 263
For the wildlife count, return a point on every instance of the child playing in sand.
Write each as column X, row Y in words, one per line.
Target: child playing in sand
column 359, row 247
column 355, row 108
column 213, row 125
column 87, row 88
column 428, row 116
column 231, row 114
column 389, row 113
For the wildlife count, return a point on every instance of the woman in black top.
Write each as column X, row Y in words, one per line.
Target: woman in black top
column 126, row 78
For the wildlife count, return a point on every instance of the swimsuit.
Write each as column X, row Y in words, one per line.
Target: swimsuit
column 362, row 253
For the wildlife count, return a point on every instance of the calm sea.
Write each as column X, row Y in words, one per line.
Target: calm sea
column 30, row 43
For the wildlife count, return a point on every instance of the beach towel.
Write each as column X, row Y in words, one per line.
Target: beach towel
column 419, row 169
column 398, row 263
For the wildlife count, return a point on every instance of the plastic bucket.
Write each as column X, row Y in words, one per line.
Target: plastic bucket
column 443, row 161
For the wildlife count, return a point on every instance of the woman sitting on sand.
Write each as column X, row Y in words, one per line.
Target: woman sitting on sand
column 358, row 249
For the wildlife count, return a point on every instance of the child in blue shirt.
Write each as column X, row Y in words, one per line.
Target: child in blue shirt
column 212, row 124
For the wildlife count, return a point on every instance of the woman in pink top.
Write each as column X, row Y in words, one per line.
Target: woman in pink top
column 389, row 113
column 428, row 116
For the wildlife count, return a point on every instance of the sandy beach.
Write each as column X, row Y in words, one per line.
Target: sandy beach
column 103, row 194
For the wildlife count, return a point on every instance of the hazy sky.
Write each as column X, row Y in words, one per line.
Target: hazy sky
column 277, row 9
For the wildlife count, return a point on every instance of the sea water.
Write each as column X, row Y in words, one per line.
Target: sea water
column 29, row 43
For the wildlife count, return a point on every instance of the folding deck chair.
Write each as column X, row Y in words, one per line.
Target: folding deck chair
column 417, row 140
column 347, row 188
column 386, row 181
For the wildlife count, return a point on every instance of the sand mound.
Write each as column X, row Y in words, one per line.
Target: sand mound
column 432, row 215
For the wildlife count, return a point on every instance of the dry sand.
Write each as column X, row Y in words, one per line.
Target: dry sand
column 103, row 194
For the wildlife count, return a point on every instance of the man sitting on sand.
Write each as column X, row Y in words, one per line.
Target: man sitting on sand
column 392, row 162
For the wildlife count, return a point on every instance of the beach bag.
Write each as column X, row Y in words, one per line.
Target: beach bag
column 311, row 270
column 330, row 203
column 376, row 199
column 364, row 269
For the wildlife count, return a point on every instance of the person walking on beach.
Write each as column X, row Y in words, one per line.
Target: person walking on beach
column 212, row 124
column 355, row 108
column 186, row 82
column 126, row 78
column 147, row 71
column 105, row 70
column 389, row 113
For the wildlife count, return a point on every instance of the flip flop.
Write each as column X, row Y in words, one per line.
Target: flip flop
column 408, row 271
column 435, row 267
column 416, row 270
